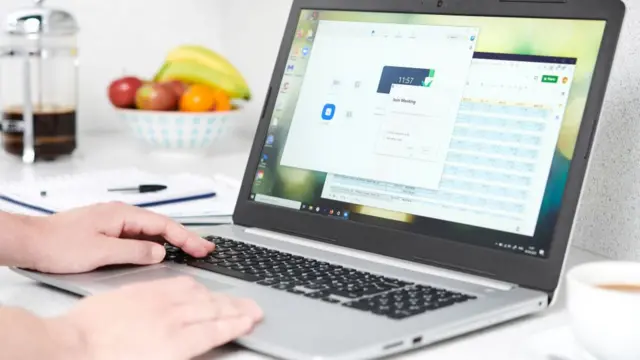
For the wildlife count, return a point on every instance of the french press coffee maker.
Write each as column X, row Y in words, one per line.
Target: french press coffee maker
column 38, row 83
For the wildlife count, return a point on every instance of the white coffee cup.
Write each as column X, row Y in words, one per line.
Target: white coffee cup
column 605, row 322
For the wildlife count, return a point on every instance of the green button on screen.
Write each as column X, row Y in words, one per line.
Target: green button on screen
column 549, row 79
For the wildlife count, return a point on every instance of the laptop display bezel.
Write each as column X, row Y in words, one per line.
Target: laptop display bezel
column 531, row 272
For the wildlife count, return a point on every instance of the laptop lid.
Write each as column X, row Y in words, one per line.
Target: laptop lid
column 451, row 133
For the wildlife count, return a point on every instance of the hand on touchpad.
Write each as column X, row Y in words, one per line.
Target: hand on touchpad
column 158, row 274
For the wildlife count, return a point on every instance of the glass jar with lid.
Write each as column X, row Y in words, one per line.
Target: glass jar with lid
column 39, row 83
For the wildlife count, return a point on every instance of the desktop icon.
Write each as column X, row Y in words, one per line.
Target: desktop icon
column 300, row 33
column 314, row 16
column 270, row 139
column 260, row 175
column 473, row 38
column 345, row 215
column 264, row 158
column 565, row 80
column 305, row 51
column 318, row 209
column 285, row 87
column 331, row 212
column 310, row 35
column 290, row 67
column 328, row 112
column 275, row 121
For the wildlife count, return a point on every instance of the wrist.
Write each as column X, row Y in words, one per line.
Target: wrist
column 27, row 244
column 18, row 240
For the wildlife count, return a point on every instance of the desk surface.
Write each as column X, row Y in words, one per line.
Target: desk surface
column 503, row 342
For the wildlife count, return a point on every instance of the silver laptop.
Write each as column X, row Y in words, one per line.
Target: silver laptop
column 414, row 175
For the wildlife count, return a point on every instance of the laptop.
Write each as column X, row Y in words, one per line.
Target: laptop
column 414, row 175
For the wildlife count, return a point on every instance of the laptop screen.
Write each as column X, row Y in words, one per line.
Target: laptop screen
column 460, row 127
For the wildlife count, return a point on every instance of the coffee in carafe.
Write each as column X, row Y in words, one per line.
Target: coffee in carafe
column 38, row 83
column 54, row 131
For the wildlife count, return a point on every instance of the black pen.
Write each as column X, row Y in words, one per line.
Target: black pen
column 142, row 189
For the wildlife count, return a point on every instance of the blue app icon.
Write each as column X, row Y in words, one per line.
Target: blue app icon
column 270, row 139
column 328, row 112
column 305, row 51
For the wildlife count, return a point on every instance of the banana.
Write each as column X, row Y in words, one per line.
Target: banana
column 199, row 62
column 190, row 71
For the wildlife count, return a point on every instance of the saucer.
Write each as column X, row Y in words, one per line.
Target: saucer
column 557, row 343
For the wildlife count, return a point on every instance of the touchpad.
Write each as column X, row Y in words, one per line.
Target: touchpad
column 159, row 274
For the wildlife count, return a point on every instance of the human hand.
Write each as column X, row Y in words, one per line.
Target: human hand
column 84, row 239
column 175, row 319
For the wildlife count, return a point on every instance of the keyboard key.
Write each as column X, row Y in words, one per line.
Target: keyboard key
column 283, row 286
column 330, row 300
column 318, row 295
column 268, row 282
column 295, row 291
column 223, row 271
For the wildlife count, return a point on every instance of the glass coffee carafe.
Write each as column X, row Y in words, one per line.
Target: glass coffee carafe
column 38, row 83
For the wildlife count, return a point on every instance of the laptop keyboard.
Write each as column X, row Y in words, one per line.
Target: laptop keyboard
column 323, row 281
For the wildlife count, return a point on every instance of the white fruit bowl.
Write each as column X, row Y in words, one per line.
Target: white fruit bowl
column 180, row 132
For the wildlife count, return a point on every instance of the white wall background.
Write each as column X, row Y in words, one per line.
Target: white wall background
column 133, row 35
column 609, row 213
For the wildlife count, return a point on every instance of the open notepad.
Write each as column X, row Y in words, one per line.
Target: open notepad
column 186, row 196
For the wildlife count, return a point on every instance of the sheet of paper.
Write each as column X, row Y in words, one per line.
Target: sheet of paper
column 85, row 186
column 62, row 193
column 222, row 204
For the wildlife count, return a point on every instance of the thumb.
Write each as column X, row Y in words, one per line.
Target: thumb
column 136, row 252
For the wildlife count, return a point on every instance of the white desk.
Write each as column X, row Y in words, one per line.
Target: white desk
column 503, row 342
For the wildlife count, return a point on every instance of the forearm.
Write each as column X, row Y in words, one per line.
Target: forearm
column 15, row 239
column 24, row 336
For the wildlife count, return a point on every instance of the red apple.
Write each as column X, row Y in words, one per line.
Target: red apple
column 156, row 97
column 122, row 92
column 177, row 86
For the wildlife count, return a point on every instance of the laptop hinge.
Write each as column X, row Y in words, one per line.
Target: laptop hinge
column 386, row 260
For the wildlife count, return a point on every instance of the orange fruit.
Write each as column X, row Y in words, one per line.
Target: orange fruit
column 198, row 98
column 223, row 102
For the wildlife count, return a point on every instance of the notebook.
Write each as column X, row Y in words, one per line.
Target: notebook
column 186, row 194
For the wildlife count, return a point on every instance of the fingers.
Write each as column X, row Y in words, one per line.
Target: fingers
column 214, row 307
column 199, row 338
column 136, row 221
column 184, row 291
column 135, row 252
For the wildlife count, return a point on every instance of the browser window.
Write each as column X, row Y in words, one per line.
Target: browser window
column 501, row 149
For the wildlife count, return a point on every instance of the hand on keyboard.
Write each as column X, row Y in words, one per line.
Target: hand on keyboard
column 84, row 239
column 175, row 319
